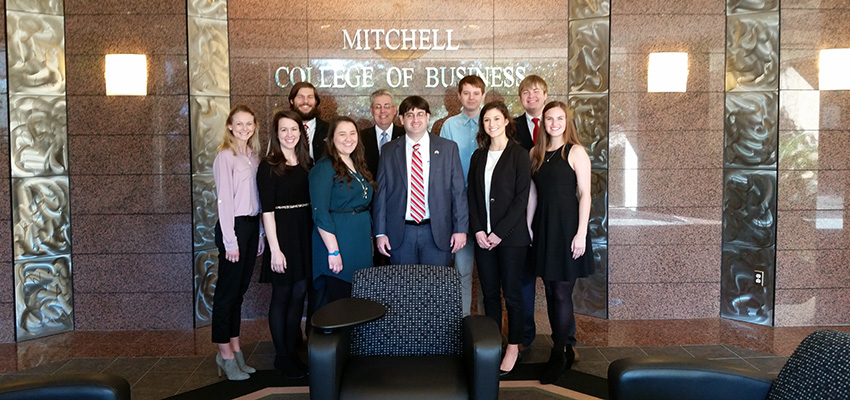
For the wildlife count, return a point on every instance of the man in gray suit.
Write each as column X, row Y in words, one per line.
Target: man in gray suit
column 420, row 213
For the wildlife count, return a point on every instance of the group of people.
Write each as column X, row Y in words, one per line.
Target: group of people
column 508, row 195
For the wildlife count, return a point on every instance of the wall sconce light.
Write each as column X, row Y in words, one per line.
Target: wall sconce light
column 126, row 75
column 832, row 66
column 668, row 72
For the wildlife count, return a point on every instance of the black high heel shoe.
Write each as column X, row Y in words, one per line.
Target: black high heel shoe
column 560, row 360
column 503, row 373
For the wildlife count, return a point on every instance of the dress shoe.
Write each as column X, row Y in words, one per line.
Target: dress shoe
column 503, row 373
column 230, row 368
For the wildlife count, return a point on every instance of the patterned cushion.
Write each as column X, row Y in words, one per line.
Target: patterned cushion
column 818, row 370
column 423, row 311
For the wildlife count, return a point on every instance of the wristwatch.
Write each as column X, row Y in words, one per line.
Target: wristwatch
column 334, row 253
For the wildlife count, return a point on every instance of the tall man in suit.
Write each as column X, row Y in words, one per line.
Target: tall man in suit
column 420, row 212
column 463, row 130
column 383, row 112
column 304, row 100
column 533, row 93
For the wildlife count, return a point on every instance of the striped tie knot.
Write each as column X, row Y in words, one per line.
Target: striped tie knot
column 417, row 187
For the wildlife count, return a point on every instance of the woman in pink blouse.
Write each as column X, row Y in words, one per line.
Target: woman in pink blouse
column 237, row 235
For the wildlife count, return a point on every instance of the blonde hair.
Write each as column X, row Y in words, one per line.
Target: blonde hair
column 538, row 152
column 229, row 141
column 530, row 82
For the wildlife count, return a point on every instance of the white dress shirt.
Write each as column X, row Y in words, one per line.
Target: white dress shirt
column 311, row 132
column 493, row 157
column 379, row 133
column 425, row 153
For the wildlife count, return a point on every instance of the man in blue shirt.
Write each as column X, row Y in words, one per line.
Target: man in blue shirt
column 462, row 129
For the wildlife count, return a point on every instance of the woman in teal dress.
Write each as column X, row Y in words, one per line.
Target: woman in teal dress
column 341, row 189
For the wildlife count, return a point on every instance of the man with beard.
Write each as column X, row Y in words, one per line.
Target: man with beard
column 304, row 100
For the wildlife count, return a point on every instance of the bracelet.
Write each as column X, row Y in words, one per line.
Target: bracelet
column 334, row 253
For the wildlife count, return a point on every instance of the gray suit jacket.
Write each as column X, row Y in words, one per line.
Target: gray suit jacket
column 447, row 201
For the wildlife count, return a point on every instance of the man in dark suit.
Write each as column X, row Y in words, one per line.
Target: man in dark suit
column 533, row 93
column 420, row 211
column 383, row 112
column 304, row 100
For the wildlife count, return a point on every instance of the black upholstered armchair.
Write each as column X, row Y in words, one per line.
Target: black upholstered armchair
column 421, row 349
column 66, row 386
column 819, row 369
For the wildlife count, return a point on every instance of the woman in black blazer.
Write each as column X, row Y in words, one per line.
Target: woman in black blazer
column 499, row 181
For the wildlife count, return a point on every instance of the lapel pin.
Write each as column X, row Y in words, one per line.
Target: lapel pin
column 436, row 151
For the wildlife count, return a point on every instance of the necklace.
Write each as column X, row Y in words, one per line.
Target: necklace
column 553, row 153
column 360, row 181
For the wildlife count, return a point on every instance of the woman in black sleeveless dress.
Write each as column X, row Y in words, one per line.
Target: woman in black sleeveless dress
column 285, row 199
column 561, row 247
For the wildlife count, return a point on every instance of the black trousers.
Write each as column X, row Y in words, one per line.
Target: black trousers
column 233, row 278
column 529, row 290
column 501, row 269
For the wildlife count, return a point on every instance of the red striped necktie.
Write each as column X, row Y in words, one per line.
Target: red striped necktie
column 417, row 187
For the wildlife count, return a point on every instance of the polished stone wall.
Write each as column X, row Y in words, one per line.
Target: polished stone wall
column 665, row 172
column 7, row 286
column 129, row 164
column 813, row 232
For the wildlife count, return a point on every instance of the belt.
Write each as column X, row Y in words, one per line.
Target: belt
column 423, row 222
column 292, row 206
column 351, row 210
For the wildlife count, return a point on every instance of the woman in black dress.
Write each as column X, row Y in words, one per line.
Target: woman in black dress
column 285, row 199
column 561, row 247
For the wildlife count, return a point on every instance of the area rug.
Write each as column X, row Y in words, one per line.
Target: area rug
column 522, row 384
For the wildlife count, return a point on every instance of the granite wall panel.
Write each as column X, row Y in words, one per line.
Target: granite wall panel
column 629, row 72
column 166, row 76
column 684, row 150
column 812, row 232
column 812, row 306
column 157, row 272
column 126, row 33
column 7, row 285
column 123, row 149
column 136, row 311
column 120, row 194
column 143, row 233
column 667, row 111
column 92, row 116
column 651, row 300
column 813, row 269
column 665, row 161
column 679, row 263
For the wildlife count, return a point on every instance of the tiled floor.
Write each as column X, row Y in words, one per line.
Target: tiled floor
column 162, row 363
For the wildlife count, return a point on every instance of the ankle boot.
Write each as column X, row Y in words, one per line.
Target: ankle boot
column 230, row 368
column 560, row 360
column 240, row 361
